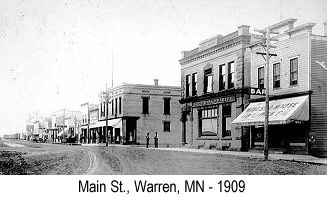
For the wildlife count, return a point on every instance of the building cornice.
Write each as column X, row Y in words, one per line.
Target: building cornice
column 228, row 42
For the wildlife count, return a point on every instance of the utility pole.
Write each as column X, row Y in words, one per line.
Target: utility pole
column 112, row 69
column 88, row 123
column 266, row 44
column 106, row 110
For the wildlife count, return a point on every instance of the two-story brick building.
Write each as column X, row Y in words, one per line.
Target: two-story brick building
column 133, row 110
column 214, row 78
column 297, row 89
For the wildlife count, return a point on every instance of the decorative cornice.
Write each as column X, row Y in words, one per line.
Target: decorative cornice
column 233, row 41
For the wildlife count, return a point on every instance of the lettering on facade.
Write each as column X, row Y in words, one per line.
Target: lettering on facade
column 257, row 91
column 214, row 101
column 278, row 110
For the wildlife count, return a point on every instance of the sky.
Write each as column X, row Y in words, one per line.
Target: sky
column 57, row 54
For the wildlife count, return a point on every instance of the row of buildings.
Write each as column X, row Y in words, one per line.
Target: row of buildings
column 219, row 111
column 124, row 116
column 214, row 108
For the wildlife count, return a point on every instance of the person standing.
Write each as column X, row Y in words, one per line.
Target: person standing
column 147, row 140
column 156, row 140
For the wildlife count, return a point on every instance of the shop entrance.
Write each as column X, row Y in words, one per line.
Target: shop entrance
column 117, row 135
column 131, row 131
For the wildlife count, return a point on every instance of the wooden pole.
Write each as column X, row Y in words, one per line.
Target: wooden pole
column 266, row 128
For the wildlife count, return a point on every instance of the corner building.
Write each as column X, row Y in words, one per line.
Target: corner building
column 134, row 110
column 215, row 78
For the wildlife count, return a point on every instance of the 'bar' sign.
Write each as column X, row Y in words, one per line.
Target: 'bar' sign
column 257, row 91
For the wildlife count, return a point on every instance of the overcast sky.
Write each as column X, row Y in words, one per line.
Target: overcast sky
column 57, row 54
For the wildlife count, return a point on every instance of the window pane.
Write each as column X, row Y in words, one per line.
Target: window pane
column 209, row 83
column 209, row 126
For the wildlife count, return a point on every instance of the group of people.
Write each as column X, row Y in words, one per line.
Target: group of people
column 155, row 140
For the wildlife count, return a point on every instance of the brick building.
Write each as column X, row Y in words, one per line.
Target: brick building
column 214, row 78
column 134, row 110
column 298, row 92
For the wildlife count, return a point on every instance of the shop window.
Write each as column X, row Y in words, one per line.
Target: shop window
column 222, row 80
column 261, row 79
column 194, row 84
column 208, row 122
column 188, row 85
column 226, row 124
column 293, row 71
column 145, row 105
column 166, row 126
column 208, row 80
column 166, row 106
column 276, row 75
column 231, row 74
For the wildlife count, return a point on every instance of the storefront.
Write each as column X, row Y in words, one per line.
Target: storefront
column 288, row 124
column 206, row 123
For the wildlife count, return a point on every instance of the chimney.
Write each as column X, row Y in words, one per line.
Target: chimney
column 325, row 28
column 156, row 82
column 243, row 30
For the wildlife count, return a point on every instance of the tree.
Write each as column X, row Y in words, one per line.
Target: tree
column 105, row 97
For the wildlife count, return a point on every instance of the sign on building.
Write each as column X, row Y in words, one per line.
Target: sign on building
column 257, row 91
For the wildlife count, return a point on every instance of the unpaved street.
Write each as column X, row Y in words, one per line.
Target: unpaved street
column 38, row 158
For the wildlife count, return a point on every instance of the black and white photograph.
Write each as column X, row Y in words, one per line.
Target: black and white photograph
column 163, row 87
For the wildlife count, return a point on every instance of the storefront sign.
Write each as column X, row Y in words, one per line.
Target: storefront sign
column 214, row 101
column 257, row 91
column 281, row 111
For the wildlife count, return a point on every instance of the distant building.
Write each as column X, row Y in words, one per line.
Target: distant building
column 298, row 92
column 133, row 110
column 85, row 132
column 215, row 78
column 34, row 126
column 65, row 125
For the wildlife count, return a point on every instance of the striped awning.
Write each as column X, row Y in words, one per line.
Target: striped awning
column 111, row 123
column 281, row 111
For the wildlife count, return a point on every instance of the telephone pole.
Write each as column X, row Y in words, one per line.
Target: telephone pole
column 266, row 45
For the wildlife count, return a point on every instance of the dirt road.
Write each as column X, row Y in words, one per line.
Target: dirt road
column 35, row 158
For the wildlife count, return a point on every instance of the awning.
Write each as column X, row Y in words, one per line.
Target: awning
column 111, row 123
column 281, row 111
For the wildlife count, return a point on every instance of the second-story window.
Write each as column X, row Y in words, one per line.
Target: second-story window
column 276, row 75
column 188, row 85
column 194, row 84
column 116, row 105
column 112, row 107
column 145, row 105
column 102, row 109
column 120, row 105
column 294, row 71
column 261, row 79
column 106, row 108
column 222, row 80
column 166, row 106
column 208, row 80
column 231, row 74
